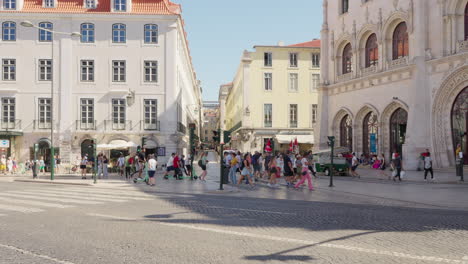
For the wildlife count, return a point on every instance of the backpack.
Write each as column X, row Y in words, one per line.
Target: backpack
column 200, row 163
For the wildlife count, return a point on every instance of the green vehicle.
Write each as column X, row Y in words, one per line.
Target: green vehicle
column 323, row 162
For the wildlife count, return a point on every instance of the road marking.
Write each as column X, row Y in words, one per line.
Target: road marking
column 249, row 210
column 62, row 200
column 54, row 205
column 292, row 240
column 132, row 193
column 36, row 255
column 21, row 209
column 80, row 197
column 88, row 193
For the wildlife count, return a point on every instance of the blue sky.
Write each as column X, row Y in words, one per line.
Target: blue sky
column 219, row 31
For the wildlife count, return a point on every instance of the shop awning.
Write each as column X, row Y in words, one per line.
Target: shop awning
column 11, row 133
column 301, row 139
column 117, row 144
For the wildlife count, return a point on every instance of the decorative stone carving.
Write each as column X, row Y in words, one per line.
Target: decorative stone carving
column 369, row 70
column 401, row 62
column 345, row 77
column 463, row 46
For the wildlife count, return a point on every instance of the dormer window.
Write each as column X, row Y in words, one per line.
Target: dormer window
column 9, row 4
column 120, row 5
column 49, row 3
column 91, row 4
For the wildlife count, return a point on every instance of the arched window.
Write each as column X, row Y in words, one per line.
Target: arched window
column 398, row 123
column 466, row 22
column 87, row 33
column 45, row 35
column 118, row 33
column 151, row 33
column 344, row 6
column 369, row 134
column 9, row 31
column 347, row 59
column 372, row 51
column 346, row 132
column 400, row 41
column 460, row 123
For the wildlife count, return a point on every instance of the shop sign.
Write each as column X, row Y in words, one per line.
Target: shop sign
column 4, row 143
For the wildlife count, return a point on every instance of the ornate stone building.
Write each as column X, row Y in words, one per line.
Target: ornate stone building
column 394, row 77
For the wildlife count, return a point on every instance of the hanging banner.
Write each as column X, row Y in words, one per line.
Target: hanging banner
column 373, row 143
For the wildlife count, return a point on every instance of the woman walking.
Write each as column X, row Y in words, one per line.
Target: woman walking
column 305, row 174
column 105, row 166
column 273, row 170
column 42, row 166
column 203, row 162
column 83, row 163
column 246, row 170
column 10, row 165
column 188, row 165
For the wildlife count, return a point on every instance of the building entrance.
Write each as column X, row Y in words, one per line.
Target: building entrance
column 460, row 122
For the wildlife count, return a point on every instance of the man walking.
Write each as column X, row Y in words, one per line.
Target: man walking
column 152, row 164
column 428, row 166
column 169, row 166
column 256, row 164
column 288, row 169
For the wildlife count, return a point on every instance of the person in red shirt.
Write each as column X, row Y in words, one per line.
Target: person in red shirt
column 176, row 164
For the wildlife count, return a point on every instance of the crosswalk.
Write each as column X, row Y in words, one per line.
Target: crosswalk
column 38, row 200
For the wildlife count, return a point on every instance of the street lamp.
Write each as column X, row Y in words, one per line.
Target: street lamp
column 29, row 24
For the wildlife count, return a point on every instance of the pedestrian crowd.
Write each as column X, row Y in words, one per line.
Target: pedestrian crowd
column 294, row 168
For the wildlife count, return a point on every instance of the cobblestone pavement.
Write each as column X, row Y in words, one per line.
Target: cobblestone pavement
column 191, row 222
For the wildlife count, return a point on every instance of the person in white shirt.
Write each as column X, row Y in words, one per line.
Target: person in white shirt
column 188, row 165
column 428, row 166
column 121, row 164
column 305, row 174
column 152, row 164
column 354, row 165
column 169, row 166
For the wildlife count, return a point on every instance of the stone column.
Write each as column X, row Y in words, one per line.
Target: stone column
column 246, row 61
column 418, row 136
column 63, row 86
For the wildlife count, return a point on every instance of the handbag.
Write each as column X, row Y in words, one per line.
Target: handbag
column 402, row 174
column 394, row 173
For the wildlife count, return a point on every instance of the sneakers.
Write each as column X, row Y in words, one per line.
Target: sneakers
column 269, row 185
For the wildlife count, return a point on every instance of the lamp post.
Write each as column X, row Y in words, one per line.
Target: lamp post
column 29, row 24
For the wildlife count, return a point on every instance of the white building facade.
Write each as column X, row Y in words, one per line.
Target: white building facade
column 394, row 77
column 127, row 80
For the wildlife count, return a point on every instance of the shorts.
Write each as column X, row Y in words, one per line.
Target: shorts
column 82, row 167
column 151, row 174
column 170, row 168
column 42, row 167
column 353, row 168
column 295, row 170
column 203, row 167
column 257, row 167
column 288, row 173
column 273, row 170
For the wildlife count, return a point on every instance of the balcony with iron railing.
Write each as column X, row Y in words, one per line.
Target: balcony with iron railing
column 118, row 124
column 11, row 124
column 83, row 124
column 150, row 125
column 41, row 124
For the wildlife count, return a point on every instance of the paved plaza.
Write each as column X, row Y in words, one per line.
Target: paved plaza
column 358, row 221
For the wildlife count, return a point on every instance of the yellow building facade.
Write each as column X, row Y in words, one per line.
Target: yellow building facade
column 274, row 97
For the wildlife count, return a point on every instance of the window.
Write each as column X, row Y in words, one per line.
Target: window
column 267, row 57
column 151, row 71
column 268, row 76
column 293, row 60
column 151, row 33
column 120, row 5
column 49, row 3
column 118, row 68
column 9, row 31
column 45, row 35
column 315, row 60
column 315, row 81
column 372, row 51
column 347, row 59
column 118, row 113
column 8, row 113
column 87, row 113
column 344, row 6
column 45, row 70
column 369, row 134
column 87, row 33
column 118, row 33
column 346, row 132
column 87, row 71
column 400, row 41
column 150, row 110
column 293, row 82
column 9, row 4
column 90, row 4
column 293, row 115
column 44, row 113
column 314, row 113
column 466, row 22
column 9, row 69
column 268, row 115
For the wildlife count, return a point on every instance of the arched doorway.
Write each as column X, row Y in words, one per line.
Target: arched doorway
column 346, row 132
column 87, row 148
column 43, row 151
column 369, row 134
column 398, row 123
column 460, row 122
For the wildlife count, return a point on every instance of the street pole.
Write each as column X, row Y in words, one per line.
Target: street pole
column 332, row 145
column 52, row 150
column 221, row 166
column 95, row 161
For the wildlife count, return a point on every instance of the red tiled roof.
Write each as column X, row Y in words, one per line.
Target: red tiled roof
column 152, row 7
column 309, row 44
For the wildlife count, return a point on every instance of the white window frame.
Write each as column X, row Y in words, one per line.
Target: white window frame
column 265, row 118
column 293, row 83
column 313, row 113
column 119, row 110
column 10, row 4
column 150, row 71
column 87, row 70
column 119, row 71
column 293, row 116
column 120, row 5
column 87, row 118
column 268, row 81
column 315, row 60
column 90, row 4
column 10, row 29
column 268, row 61
column 45, row 70
column 49, row 3
column 293, row 60
column 119, row 33
column 151, row 35
column 314, row 82
column 9, row 69
column 8, row 112
column 87, row 37
column 44, row 113
column 44, row 34
column 150, row 107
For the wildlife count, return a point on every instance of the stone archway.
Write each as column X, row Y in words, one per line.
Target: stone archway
column 359, row 128
column 337, row 122
column 385, row 126
column 451, row 87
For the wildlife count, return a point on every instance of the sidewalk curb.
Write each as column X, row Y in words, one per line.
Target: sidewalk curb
column 55, row 182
